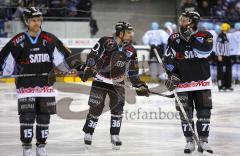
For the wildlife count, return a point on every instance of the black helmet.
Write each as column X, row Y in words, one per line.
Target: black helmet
column 122, row 26
column 193, row 16
column 31, row 12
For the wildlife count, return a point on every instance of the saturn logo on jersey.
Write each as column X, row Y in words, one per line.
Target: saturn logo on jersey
column 190, row 54
column 181, row 55
column 39, row 58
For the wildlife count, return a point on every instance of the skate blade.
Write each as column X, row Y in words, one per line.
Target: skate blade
column 115, row 147
column 208, row 152
column 87, row 147
column 205, row 153
column 188, row 151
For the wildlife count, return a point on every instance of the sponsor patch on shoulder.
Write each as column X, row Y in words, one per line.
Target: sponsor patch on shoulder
column 200, row 39
column 129, row 53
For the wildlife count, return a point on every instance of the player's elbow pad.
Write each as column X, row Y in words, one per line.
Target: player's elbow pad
column 203, row 50
column 202, row 44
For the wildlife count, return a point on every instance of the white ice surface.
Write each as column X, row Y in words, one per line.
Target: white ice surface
column 140, row 136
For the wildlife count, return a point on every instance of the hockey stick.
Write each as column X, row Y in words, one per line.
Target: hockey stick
column 164, row 95
column 131, row 87
column 200, row 149
column 117, row 68
column 37, row 75
column 73, row 60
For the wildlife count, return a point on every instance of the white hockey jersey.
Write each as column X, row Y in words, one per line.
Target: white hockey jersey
column 155, row 37
column 234, row 42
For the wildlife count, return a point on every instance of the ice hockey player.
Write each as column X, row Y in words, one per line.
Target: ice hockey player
column 234, row 41
column 34, row 52
column 189, row 74
column 108, row 62
column 157, row 39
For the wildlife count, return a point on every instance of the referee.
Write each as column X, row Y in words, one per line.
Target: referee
column 224, row 65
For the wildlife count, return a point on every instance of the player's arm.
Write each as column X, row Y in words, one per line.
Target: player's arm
column 134, row 77
column 169, row 60
column 164, row 39
column 94, row 60
column 202, row 43
column 145, row 38
column 60, row 55
column 8, row 58
column 169, row 57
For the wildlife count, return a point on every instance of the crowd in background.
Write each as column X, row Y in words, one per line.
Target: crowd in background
column 216, row 10
column 12, row 9
column 52, row 10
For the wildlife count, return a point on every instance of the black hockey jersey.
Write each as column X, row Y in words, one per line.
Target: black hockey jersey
column 104, row 49
column 189, row 60
column 24, row 54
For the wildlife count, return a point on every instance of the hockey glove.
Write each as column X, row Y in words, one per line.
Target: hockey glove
column 142, row 89
column 172, row 81
column 87, row 72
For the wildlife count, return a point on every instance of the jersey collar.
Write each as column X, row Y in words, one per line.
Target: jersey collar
column 120, row 47
column 33, row 41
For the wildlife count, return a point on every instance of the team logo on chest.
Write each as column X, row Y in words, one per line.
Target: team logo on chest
column 190, row 54
column 39, row 58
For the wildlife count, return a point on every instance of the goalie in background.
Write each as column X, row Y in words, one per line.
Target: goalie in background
column 109, row 61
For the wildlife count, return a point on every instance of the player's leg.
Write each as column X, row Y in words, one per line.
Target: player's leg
column 96, row 103
column 220, row 75
column 26, row 111
column 234, row 68
column 238, row 73
column 45, row 107
column 162, row 74
column 234, row 73
column 238, row 69
column 213, row 72
column 153, row 66
column 117, row 100
column 187, row 101
column 203, row 104
column 228, row 76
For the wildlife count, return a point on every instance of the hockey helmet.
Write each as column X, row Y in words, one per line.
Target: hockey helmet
column 31, row 12
column 154, row 26
column 225, row 27
column 122, row 26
